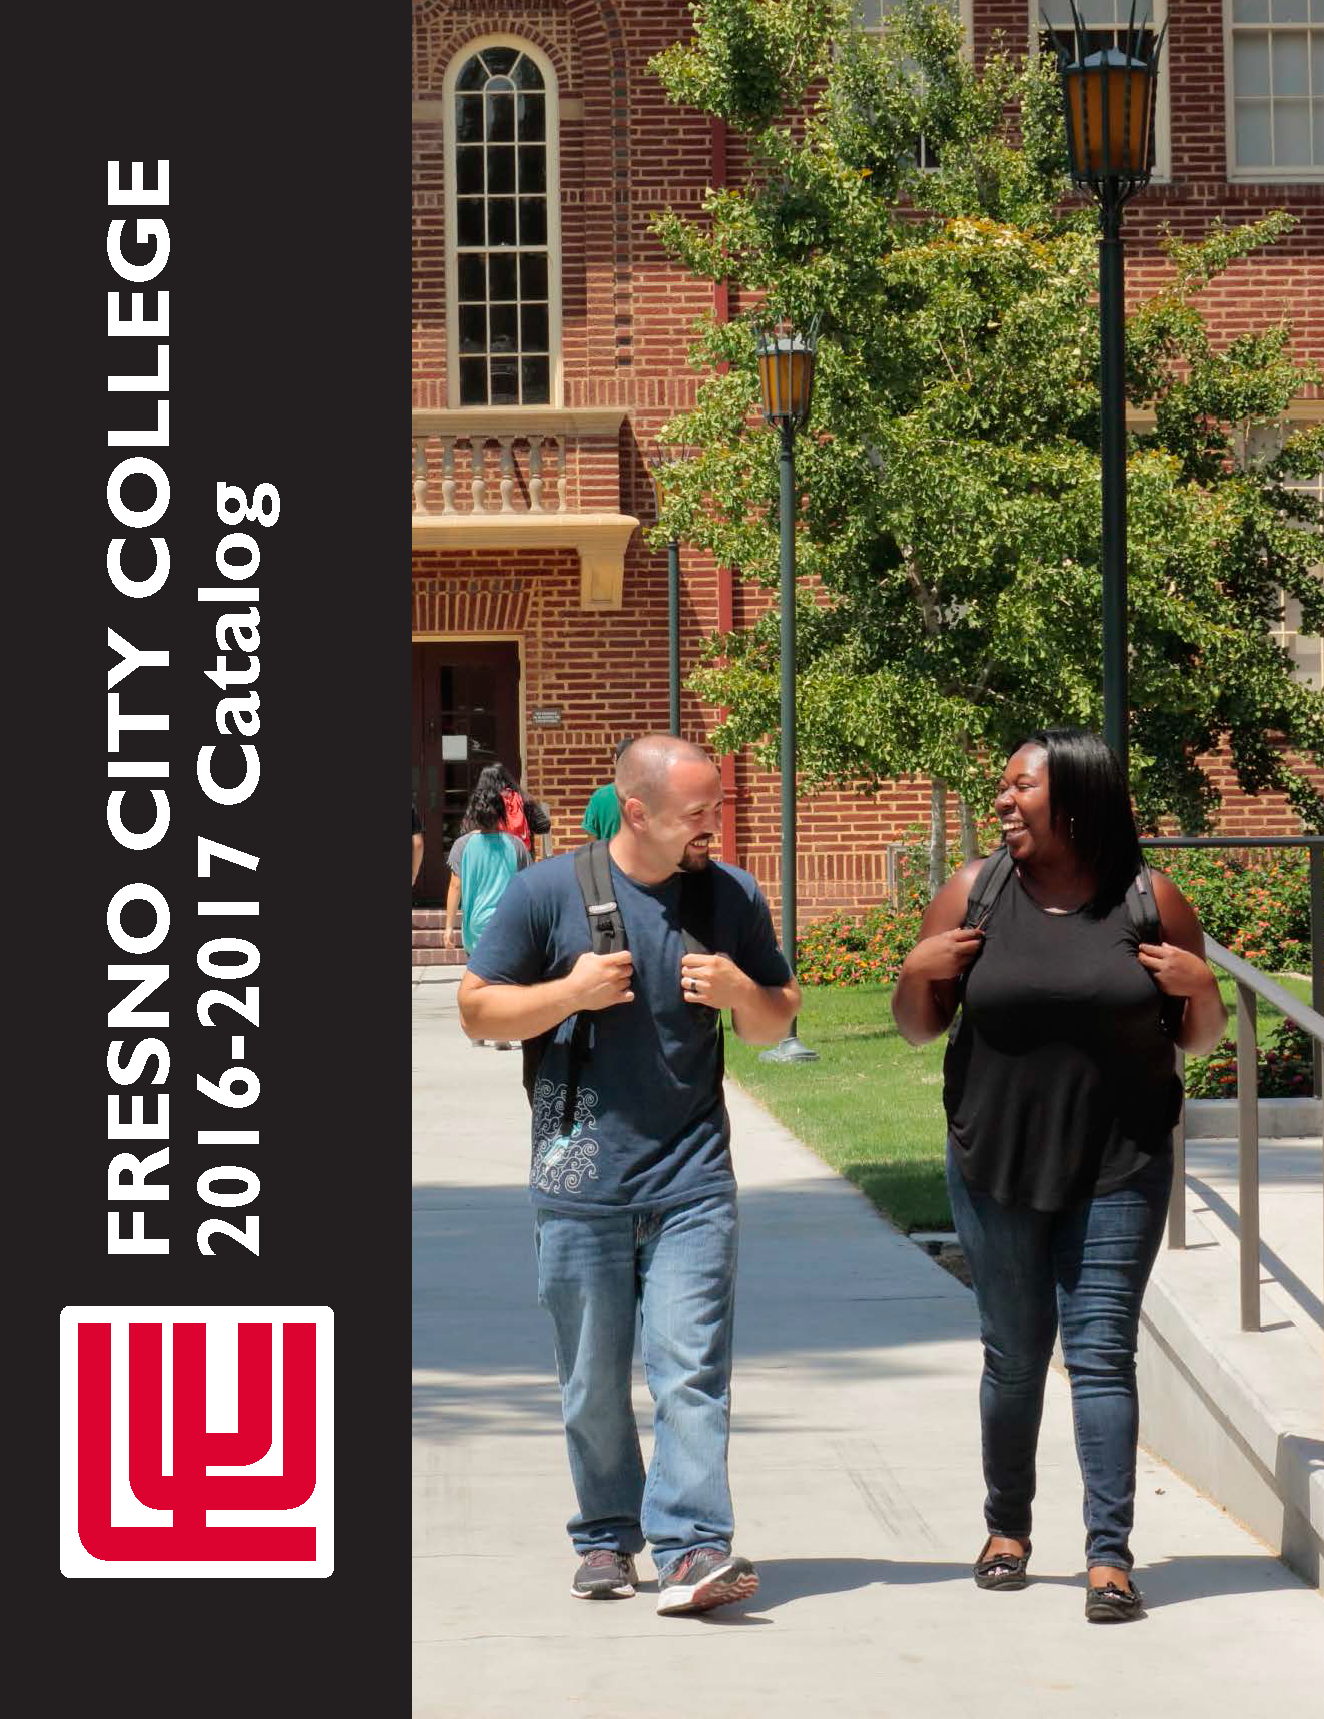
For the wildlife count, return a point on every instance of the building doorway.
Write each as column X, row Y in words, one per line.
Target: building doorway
column 466, row 715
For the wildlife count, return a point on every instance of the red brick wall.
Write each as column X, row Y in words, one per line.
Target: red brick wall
column 627, row 313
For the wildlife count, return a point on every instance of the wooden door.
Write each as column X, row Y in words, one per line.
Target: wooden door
column 466, row 715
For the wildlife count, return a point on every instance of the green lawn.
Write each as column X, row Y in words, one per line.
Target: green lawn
column 871, row 1107
column 1266, row 1018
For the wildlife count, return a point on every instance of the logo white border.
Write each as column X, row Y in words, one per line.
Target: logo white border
column 76, row 1561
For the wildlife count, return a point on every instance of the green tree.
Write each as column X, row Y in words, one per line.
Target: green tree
column 950, row 479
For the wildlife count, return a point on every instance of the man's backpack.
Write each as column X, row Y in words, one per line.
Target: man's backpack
column 607, row 937
column 1140, row 906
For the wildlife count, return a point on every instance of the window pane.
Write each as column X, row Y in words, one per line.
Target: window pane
column 1317, row 61
column 532, row 118
column 469, row 172
column 1291, row 134
column 473, row 381
column 500, row 60
column 1250, row 11
column 501, row 277
column 533, row 328
column 503, row 327
column 526, row 74
column 1290, row 11
column 533, row 276
column 533, row 220
column 502, row 85
column 473, row 279
column 473, row 75
column 473, row 328
column 500, row 170
column 1319, row 132
column 1253, row 145
column 469, row 226
column 537, row 378
column 533, row 168
column 1317, row 11
column 1291, row 66
column 501, row 221
column 468, row 119
column 1250, row 63
column 501, row 118
column 505, row 382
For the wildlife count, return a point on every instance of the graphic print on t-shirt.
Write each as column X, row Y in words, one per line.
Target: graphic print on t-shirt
column 563, row 1163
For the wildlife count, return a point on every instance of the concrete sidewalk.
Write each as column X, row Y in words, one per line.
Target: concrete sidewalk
column 854, row 1465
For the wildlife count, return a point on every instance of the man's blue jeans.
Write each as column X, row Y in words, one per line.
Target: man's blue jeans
column 676, row 1269
column 1086, row 1267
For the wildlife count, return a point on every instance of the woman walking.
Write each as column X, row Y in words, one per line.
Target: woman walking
column 483, row 859
column 1061, row 1093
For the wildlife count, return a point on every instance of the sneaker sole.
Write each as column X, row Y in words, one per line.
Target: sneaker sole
column 616, row 1593
column 714, row 1591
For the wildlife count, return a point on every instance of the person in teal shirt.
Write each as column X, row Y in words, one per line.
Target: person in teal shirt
column 483, row 860
column 602, row 815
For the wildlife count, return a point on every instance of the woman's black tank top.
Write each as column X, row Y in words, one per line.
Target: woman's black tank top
column 1060, row 1080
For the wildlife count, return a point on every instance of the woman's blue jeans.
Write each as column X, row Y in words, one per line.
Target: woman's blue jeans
column 1086, row 1269
column 676, row 1270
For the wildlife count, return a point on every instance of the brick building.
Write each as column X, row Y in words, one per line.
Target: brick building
column 549, row 346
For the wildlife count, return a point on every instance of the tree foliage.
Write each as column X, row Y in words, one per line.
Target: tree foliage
column 950, row 477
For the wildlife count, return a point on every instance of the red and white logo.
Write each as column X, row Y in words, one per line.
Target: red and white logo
column 195, row 1441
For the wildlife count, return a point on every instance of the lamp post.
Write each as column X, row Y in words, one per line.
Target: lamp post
column 673, row 602
column 1109, row 100
column 786, row 379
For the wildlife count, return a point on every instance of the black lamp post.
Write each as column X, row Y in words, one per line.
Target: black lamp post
column 786, row 378
column 673, row 602
column 1109, row 98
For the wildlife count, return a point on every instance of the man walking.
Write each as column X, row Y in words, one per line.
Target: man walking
column 602, row 815
column 635, row 1205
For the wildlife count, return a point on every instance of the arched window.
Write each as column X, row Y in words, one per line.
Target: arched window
column 502, row 227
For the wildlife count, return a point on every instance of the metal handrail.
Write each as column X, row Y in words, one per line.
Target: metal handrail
column 1251, row 984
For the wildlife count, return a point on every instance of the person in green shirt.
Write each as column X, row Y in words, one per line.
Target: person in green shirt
column 602, row 815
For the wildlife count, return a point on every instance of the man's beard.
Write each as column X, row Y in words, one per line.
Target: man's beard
column 693, row 859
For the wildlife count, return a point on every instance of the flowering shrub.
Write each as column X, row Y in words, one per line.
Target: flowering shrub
column 1285, row 1067
column 1258, row 906
column 842, row 951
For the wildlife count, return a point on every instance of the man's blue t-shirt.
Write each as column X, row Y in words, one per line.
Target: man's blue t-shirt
column 651, row 1127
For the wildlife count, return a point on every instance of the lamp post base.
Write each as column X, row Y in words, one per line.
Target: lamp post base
column 789, row 1050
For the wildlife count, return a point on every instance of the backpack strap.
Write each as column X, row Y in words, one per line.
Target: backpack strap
column 1143, row 908
column 989, row 883
column 606, row 935
column 606, row 930
column 593, row 874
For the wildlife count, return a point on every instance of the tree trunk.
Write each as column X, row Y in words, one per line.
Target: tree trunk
column 937, row 836
column 969, row 835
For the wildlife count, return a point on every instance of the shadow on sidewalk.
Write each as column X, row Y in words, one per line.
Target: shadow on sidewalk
column 820, row 1296
column 1172, row 1581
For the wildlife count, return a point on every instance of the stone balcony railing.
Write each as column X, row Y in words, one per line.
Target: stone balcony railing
column 525, row 477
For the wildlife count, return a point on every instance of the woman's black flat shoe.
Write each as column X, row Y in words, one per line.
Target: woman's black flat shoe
column 1003, row 1569
column 1111, row 1604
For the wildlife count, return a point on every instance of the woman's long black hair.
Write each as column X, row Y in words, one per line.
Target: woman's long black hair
column 1090, row 808
column 486, row 809
column 493, row 780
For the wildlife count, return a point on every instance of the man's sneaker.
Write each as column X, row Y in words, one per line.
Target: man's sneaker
column 605, row 1574
column 703, row 1579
